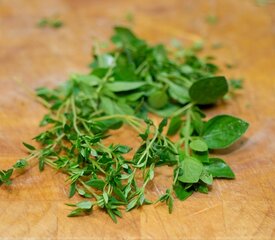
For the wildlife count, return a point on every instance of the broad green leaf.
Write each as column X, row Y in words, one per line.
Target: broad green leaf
column 223, row 130
column 174, row 125
column 219, row 168
column 198, row 145
column 208, row 90
column 124, row 86
column 192, row 169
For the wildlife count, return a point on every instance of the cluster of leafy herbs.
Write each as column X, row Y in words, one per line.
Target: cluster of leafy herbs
column 124, row 85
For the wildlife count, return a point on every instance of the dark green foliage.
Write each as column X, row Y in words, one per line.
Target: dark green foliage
column 124, row 85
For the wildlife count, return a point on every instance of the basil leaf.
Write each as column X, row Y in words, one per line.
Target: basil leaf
column 216, row 88
column 219, row 169
column 223, row 130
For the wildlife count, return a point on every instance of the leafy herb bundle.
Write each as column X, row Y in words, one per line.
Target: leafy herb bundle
column 124, row 85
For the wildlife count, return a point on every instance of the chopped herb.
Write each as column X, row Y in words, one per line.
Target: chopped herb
column 123, row 87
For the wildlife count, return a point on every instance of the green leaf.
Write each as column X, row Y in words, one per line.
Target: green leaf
column 96, row 183
column 41, row 164
column 202, row 156
column 84, row 205
column 158, row 99
column 162, row 124
column 192, row 169
column 181, row 193
column 124, row 86
column 198, row 145
column 22, row 163
column 72, row 189
column 208, row 90
column 223, row 130
column 28, row 146
column 203, row 188
column 75, row 213
column 120, row 194
column 206, row 177
column 170, row 203
column 174, row 125
column 180, row 94
column 132, row 204
column 219, row 169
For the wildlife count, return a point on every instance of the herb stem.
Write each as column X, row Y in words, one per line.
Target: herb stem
column 187, row 132
column 74, row 115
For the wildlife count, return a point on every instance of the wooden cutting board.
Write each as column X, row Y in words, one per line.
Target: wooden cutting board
column 33, row 207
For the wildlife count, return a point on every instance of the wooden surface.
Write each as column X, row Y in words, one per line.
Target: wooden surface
column 33, row 207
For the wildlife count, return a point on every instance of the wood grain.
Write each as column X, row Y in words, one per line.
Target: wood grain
column 33, row 207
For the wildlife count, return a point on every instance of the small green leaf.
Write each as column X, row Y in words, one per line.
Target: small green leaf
column 22, row 163
column 174, row 125
column 72, row 189
column 203, row 188
column 216, row 88
column 179, row 93
column 158, row 99
column 28, row 146
column 181, row 193
column 198, row 145
column 219, row 169
column 84, row 205
column 120, row 194
column 202, row 156
column 162, row 124
column 75, row 213
column 124, row 86
column 170, row 203
column 192, row 169
column 41, row 164
column 206, row 177
column 96, row 183
column 223, row 130
column 132, row 204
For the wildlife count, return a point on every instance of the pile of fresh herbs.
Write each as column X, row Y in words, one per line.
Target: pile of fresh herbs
column 123, row 86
